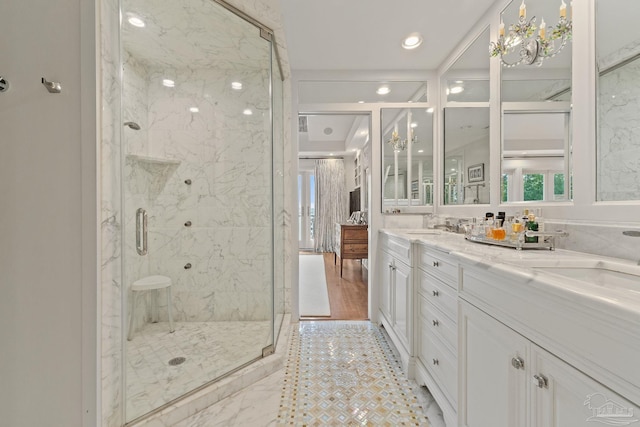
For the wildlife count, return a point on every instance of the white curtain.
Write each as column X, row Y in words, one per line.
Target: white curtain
column 331, row 202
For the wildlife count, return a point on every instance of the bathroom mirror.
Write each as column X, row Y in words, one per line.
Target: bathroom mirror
column 466, row 126
column 535, row 152
column 407, row 157
column 466, row 156
column 549, row 80
column 618, row 133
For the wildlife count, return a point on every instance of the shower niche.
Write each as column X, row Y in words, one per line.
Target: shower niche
column 196, row 83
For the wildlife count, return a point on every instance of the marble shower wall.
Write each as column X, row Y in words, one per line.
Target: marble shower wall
column 227, row 157
column 618, row 166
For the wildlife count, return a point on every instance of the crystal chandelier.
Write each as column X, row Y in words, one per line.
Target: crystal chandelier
column 532, row 49
column 400, row 144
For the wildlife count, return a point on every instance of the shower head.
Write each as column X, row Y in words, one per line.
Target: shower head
column 132, row 125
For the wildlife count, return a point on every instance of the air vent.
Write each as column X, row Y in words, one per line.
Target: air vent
column 302, row 124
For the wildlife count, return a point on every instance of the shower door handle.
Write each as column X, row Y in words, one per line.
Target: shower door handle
column 141, row 231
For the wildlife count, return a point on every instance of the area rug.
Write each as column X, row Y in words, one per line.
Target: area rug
column 345, row 374
column 314, row 297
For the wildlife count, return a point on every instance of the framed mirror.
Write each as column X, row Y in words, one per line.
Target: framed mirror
column 407, row 157
column 618, row 119
column 466, row 156
column 466, row 163
column 536, row 147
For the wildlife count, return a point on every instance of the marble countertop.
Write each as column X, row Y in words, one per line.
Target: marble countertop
column 621, row 301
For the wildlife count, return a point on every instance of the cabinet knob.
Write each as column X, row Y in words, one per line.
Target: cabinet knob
column 436, row 361
column 436, row 323
column 541, row 381
column 436, row 264
column 517, row 363
column 436, row 293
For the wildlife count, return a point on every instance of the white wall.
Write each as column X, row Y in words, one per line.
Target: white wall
column 48, row 269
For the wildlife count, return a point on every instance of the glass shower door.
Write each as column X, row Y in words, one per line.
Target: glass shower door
column 198, row 160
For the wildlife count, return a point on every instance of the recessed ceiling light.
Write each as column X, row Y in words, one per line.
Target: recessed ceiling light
column 459, row 82
column 360, row 102
column 430, row 110
column 331, row 154
column 236, row 85
column 412, row 41
column 168, row 83
column 364, row 132
column 194, row 109
column 136, row 21
column 247, row 112
column 414, row 125
column 353, row 149
column 453, row 170
column 456, row 89
column 383, row 90
column 420, row 151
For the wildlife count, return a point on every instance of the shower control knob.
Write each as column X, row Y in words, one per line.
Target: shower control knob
column 187, row 266
column 187, row 181
column 4, row 84
column 187, row 224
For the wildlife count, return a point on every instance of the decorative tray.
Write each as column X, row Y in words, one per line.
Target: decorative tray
column 519, row 245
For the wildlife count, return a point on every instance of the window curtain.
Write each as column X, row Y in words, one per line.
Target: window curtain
column 330, row 203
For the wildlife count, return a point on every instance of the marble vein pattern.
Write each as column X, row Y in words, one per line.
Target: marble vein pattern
column 618, row 169
column 345, row 373
column 211, row 349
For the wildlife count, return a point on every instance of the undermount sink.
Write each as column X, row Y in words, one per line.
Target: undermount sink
column 602, row 273
column 423, row 232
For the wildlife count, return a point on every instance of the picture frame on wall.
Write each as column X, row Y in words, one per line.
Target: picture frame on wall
column 475, row 173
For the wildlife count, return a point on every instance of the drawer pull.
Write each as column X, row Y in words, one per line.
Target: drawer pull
column 541, row 381
column 436, row 293
column 436, row 362
column 436, row 323
column 436, row 264
column 517, row 363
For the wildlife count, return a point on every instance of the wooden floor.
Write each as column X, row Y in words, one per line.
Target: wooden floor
column 348, row 296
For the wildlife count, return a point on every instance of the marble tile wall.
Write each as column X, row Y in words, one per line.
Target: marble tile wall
column 618, row 166
column 227, row 158
column 110, row 295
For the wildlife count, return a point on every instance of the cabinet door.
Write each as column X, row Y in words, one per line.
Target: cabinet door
column 562, row 396
column 385, row 273
column 493, row 363
column 403, row 291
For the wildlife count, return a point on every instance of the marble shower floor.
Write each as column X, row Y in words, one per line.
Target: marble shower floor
column 211, row 349
column 328, row 381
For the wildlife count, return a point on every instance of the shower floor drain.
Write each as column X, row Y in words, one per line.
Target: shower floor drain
column 177, row 361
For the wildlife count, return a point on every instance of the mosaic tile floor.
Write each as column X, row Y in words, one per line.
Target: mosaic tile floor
column 210, row 348
column 345, row 373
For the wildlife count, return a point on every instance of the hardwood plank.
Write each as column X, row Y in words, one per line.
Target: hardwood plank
column 348, row 296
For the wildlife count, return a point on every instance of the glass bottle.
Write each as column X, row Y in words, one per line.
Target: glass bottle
column 533, row 226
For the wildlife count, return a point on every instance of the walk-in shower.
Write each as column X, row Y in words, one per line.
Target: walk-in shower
column 208, row 177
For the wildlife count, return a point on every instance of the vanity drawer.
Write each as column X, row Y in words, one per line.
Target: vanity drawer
column 439, row 264
column 397, row 246
column 437, row 293
column 441, row 363
column 438, row 324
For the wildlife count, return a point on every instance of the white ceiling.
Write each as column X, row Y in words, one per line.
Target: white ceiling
column 366, row 34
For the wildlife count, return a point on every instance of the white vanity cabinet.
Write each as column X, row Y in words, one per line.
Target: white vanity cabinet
column 396, row 295
column 436, row 327
column 508, row 379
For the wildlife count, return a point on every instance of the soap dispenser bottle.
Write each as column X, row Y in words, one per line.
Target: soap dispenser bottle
column 533, row 226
